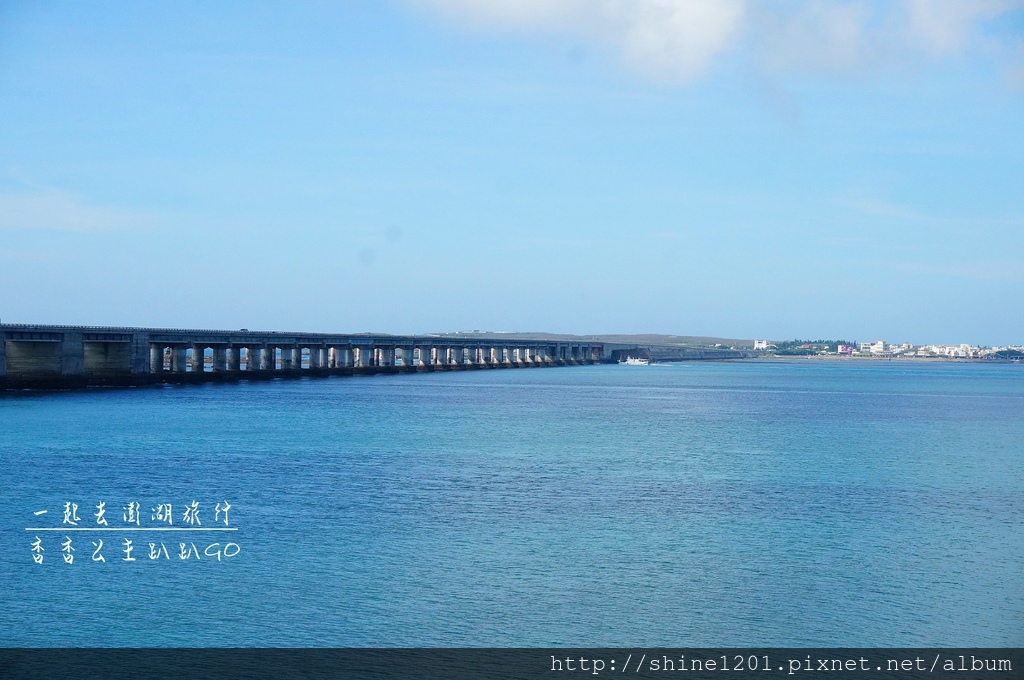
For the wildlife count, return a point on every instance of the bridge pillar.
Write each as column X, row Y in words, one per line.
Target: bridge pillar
column 178, row 358
column 156, row 358
column 139, row 359
column 72, row 356
column 387, row 356
column 220, row 359
column 252, row 358
column 234, row 358
column 198, row 359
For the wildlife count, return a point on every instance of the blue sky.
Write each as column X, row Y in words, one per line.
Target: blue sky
column 732, row 168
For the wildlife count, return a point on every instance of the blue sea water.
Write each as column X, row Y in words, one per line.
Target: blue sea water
column 697, row 504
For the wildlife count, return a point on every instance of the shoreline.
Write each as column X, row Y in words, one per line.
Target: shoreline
column 925, row 360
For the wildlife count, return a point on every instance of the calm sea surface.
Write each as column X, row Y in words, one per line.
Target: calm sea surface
column 805, row 503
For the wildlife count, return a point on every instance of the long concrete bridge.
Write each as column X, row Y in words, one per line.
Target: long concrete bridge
column 71, row 357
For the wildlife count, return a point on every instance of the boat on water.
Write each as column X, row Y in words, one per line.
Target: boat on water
column 635, row 361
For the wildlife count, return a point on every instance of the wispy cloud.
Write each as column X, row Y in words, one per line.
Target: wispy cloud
column 888, row 210
column 33, row 256
column 53, row 210
column 1003, row 271
column 942, row 27
column 672, row 40
column 678, row 40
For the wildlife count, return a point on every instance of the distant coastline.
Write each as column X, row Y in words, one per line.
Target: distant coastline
column 769, row 358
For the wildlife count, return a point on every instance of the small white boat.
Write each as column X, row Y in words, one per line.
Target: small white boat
column 635, row 361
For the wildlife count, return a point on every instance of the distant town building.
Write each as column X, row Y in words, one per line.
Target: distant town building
column 873, row 347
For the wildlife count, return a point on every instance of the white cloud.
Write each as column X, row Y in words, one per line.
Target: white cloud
column 54, row 210
column 678, row 40
column 669, row 40
column 942, row 27
column 813, row 36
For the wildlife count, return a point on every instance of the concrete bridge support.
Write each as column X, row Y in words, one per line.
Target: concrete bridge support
column 425, row 360
column 72, row 357
column 179, row 361
column 198, row 360
column 220, row 359
column 156, row 359
column 106, row 360
column 34, row 360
